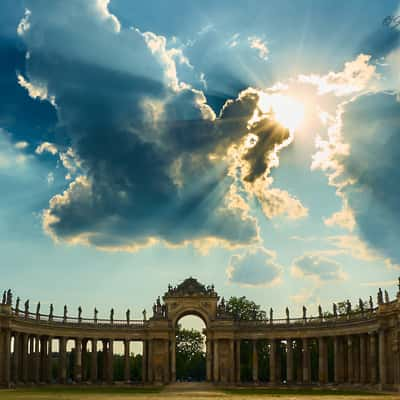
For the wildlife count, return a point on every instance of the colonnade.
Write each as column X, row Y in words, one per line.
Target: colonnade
column 34, row 359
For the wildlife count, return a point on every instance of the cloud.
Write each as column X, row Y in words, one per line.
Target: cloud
column 355, row 77
column 11, row 155
column 255, row 267
column 21, row 145
column 365, row 173
column 318, row 268
column 259, row 45
column 149, row 160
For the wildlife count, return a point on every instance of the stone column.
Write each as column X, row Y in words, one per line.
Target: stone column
column 110, row 363
column 144, row 361
column 173, row 359
column 127, row 369
column 216, row 361
column 78, row 361
column 382, row 357
column 372, row 358
column 208, row 361
column 43, row 359
column 150, row 377
column 62, row 373
column 322, row 360
column 32, row 356
column 232, row 371
column 36, row 364
column 255, row 362
column 289, row 361
column 350, row 357
column 24, row 357
column 105, row 361
column 338, row 359
column 306, row 362
column 84, row 360
column 363, row 359
column 93, row 362
column 7, row 357
column 49, row 359
column 237, row 362
column 16, row 357
column 272, row 362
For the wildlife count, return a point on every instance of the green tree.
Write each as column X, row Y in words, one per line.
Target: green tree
column 242, row 308
column 190, row 355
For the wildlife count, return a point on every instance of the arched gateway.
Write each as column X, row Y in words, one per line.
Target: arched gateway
column 354, row 347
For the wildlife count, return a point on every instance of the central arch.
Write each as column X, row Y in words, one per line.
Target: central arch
column 190, row 348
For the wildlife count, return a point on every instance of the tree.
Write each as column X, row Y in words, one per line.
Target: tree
column 244, row 309
column 190, row 356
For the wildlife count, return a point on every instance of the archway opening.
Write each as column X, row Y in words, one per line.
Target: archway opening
column 190, row 349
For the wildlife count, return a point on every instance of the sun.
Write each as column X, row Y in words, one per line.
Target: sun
column 286, row 110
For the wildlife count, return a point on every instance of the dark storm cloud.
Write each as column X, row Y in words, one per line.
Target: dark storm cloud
column 371, row 126
column 150, row 149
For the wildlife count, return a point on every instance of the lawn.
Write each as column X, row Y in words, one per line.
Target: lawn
column 124, row 393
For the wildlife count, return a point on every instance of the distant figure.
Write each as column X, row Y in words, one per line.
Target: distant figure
column 380, row 296
column 386, row 296
column 144, row 314
column 38, row 310
column 348, row 306
column 361, row 305
column 80, row 314
column 371, row 303
column 128, row 315
column 51, row 312
column 9, row 297
column 112, row 316
column 65, row 313
column 304, row 312
column 287, row 315
column 26, row 305
column 95, row 315
column 17, row 306
column 335, row 310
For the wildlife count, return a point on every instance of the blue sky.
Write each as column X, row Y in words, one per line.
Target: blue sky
column 252, row 146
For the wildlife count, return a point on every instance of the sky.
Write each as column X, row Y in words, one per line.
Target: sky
column 253, row 145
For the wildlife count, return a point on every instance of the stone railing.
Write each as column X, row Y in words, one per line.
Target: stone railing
column 76, row 321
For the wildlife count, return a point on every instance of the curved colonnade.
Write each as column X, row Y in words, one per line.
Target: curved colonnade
column 355, row 348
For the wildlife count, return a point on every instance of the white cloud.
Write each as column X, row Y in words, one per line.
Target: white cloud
column 35, row 90
column 318, row 268
column 21, row 145
column 356, row 76
column 255, row 267
column 24, row 24
column 259, row 45
column 46, row 147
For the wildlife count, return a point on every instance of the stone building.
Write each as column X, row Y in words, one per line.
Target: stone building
column 363, row 343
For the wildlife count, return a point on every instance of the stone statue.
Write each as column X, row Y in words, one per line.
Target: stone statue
column 320, row 311
column 80, row 314
column 65, row 313
column 398, row 284
column 95, row 315
column 51, row 312
column 38, row 310
column 380, row 296
column 287, row 315
column 154, row 309
column 371, row 303
column 348, row 306
column 169, row 288
column 304, row 312
column 4, row 297
column 17, row 305
column 144, row 314
column 361, row 305
column 386, row 296
column 271, row 315
column 128, row 314
column 26, row 306
column 335, row 310
column 164, row 310
column 112, row 316
column 9, row 297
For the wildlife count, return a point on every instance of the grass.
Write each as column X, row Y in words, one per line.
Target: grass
column 299, row 392
column 151, row 393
